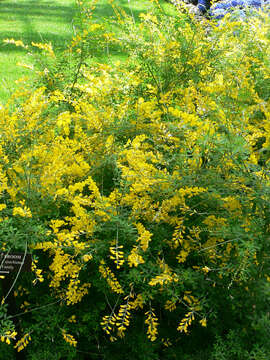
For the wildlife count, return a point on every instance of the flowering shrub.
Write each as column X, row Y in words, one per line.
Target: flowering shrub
column 142, row 188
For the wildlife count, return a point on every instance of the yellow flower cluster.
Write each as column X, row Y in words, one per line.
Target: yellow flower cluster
column 16, row 43
column 2, row 206
column 23, row 342
column 152, row 323
column 144, row 237
column 170, row 305
column 178, row 235
column 46, row 47
column 8, row 335
column 137, row 303
column 69, row 338
column 110, row 278
column 75, row 291
column 194, row 305
column 63, row 266
column 37, row 272
column 72, row 319
column 117, row 255
column 22, row 211
column 165, row 277
column 87, row 257
column 192, row 302
column 134, row 258
column 162, row 162
column 203, row 322
column 122, row 319
column 186, row 322
column 108, row 323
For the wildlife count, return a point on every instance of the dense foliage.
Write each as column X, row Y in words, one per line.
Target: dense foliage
column 141, row 187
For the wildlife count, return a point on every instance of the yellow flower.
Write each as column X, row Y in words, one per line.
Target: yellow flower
column 7, row 336
column 23, row 342
column 87, row 257
column 69, row 338
column 2, row 206
column 152, row 322
column 23, row 212
column 206, row 269
column 134, row 258
column 203, row 322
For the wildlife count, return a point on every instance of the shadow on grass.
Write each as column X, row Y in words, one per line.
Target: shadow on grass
column 35, row 21
column 134, row 7
column 42, row 21
column 33, row 9
column 46, row 21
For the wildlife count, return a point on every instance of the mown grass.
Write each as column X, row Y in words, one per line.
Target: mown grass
column 46, row 21
column 30, row 20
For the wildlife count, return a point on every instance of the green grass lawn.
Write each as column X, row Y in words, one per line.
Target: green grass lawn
column 45, row 21
column 30, row 20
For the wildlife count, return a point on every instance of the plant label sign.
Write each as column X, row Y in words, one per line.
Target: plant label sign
column 13, row 262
